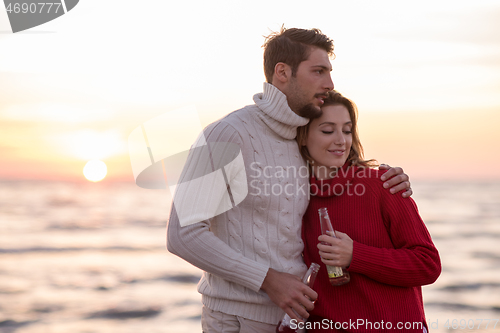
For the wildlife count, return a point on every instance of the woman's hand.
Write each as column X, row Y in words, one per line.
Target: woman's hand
column 338, row 251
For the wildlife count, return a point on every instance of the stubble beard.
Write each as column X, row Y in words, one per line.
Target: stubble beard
column 310, row 111
column 307, row 111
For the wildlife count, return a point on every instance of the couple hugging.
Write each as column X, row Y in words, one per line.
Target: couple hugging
column 254, row 254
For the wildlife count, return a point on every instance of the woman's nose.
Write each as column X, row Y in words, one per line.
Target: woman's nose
column 339, row 139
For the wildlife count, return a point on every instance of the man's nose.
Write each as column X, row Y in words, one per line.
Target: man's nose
column 329, row 86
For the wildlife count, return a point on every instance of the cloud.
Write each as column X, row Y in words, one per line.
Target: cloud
column 89, row 144
column 53, row 112
column 477, row 26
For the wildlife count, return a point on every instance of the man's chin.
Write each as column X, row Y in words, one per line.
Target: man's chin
column 310, row 111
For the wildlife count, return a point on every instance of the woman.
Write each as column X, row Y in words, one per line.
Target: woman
column 381, row 239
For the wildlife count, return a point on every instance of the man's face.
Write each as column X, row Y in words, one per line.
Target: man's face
column 307, row 90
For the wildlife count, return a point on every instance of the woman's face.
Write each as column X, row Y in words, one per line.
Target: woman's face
column 329, row 140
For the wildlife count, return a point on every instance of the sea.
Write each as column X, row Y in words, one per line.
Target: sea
column 91, row 258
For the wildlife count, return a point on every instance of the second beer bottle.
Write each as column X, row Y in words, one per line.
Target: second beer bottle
column 286, row 325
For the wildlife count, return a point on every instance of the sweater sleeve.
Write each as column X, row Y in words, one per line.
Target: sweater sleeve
column 414, row 260
column 196, row 243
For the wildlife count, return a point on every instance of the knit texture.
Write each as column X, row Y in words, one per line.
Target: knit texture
column 236, row 248
column 393, row 254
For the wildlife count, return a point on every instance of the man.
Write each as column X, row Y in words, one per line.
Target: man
column 252, row 254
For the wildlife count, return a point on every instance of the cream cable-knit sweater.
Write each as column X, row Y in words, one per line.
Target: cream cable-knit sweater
column 236, row 248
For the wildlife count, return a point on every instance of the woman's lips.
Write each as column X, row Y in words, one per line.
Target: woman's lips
column 337, row 152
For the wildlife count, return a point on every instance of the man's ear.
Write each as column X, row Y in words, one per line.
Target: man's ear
column 282, row 72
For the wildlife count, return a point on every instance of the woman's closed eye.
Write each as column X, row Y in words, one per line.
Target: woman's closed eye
column 330, row 132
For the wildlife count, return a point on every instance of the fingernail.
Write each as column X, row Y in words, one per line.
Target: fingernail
column 386, row 185
column 392, row 190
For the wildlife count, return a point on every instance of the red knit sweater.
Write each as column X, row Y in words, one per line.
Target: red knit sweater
column 393, row 255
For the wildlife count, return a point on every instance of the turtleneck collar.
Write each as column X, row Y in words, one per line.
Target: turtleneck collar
column 336, row 185
column 276, row 113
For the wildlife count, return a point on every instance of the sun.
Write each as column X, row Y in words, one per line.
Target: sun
column 95, row 170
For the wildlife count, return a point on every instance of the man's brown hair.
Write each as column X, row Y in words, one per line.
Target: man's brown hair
column 292, row 46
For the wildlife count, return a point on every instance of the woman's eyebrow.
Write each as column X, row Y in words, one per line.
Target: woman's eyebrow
column 331, row 123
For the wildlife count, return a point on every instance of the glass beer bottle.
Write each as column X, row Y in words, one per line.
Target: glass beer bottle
column 337, row 275
column 285, row 325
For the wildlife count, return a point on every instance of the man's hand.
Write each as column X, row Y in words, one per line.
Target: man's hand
column 289, row 293
column 397, row 180
column 338, row 251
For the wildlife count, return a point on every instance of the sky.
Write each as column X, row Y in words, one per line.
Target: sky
column 425, row 76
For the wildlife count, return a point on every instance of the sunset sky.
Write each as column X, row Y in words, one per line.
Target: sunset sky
column 425, row 76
